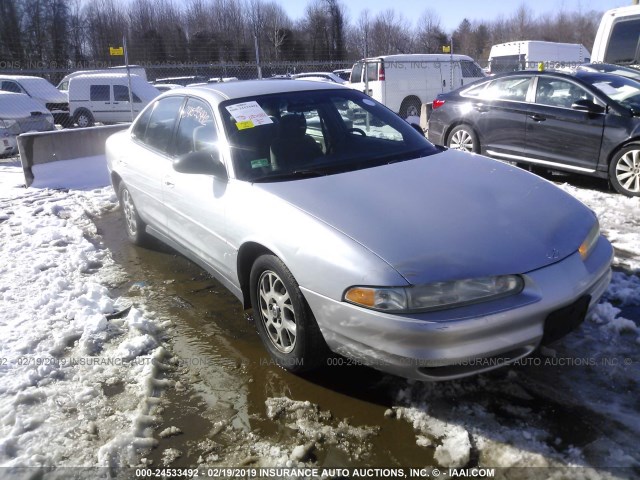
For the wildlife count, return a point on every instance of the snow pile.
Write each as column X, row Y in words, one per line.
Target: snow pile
column 79, row 372
column 619, row 220
column 453, row 449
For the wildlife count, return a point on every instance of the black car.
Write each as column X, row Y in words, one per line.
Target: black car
column 584, row 122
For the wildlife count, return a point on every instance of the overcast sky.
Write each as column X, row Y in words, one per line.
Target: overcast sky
column 452, row 12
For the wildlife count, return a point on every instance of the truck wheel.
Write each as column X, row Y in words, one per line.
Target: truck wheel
column 410, row 107
column 83, row 118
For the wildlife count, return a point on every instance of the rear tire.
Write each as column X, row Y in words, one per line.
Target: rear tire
column 410, row 107
column 133, row 224
column 624, row 171
column 283, row 319
column 463, row 138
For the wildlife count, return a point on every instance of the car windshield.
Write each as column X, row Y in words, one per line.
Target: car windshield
column 623, row 90
column 321, row 132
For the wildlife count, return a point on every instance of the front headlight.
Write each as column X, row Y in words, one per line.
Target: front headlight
column 590, row 241
column 434, row 296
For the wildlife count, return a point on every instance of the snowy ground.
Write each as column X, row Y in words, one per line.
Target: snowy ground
column 82, row 373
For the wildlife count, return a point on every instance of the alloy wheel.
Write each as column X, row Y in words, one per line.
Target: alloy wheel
column 277, row 313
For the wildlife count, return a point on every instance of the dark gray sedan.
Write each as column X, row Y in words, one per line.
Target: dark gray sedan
column 585, row 122
column 346, row 230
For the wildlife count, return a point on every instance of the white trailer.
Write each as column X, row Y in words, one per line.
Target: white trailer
column 618, row 37
column 527, row 55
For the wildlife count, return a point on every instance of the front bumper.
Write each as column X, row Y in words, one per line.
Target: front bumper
column 449, row 344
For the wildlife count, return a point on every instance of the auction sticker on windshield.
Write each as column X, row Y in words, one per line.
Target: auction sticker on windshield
column 248, row 115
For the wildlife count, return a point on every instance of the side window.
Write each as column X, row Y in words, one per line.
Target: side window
column 161, row 122
column 139, row 129
column 559, row 93
column 13, row 87
column 196, row 130
column 475, row 91
column 623, row 42
column 99, row 93
column 511, row 88
column 471, row 69
column 356, row 73
column 121, row 94
column 372, row 72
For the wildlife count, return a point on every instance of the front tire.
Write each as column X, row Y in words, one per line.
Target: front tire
column 283, row 319
column 133, row 224
column 463, row 138
column 624, row 171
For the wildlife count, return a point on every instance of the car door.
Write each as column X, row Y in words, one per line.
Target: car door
column 556, row 133
column 121, row 105
column 195, row 203
column 500, row 113
column 148, row 162
column 100, row 102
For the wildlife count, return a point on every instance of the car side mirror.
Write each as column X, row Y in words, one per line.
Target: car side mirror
column 204, row 162
column 585, row 105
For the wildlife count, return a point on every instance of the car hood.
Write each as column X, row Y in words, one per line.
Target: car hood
column 447, row 216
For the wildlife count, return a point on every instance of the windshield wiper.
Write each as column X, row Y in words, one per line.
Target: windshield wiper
column 296, row 174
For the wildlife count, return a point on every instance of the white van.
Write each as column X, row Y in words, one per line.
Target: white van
column 617, row 37
column 41, row 91
column 404, row 82
column 527, row 54
column 104, row 97
column 63, row 86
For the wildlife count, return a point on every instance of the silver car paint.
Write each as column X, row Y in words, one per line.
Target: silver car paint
column 417, row 216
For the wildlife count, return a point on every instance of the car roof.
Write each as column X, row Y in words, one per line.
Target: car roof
column 247, row 88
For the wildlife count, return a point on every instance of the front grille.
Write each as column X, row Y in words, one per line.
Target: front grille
column 562, row 321
column 58, row 106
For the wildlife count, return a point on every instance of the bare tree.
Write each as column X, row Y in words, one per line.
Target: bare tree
column 11, row 46
column 390, row 34
column 277, row 27
column 429, row 35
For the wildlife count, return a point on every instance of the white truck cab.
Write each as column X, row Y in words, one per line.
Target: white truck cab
column 527, row 54
column 618, row 37
column 404, row 82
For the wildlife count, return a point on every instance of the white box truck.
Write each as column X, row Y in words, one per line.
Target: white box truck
column 618, row 37
column 404, row 82
column 528, row 54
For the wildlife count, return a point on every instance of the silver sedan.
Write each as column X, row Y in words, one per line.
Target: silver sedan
column 347, row 231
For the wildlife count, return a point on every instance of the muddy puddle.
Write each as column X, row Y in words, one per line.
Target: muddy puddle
column 231, row 406
column 225, row 377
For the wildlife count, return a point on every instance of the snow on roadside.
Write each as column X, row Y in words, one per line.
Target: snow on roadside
column 79, row 372
column 619, row 221
column 528, row 415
